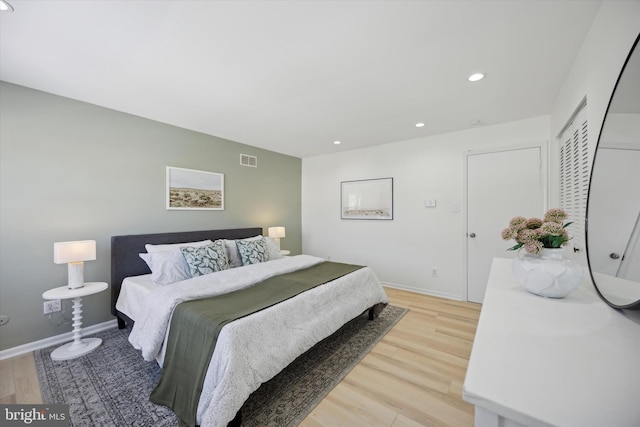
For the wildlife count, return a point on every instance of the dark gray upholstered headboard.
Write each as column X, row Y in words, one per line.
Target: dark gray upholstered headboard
column 126, row 262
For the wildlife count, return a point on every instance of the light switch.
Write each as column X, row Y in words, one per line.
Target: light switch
column 431, row 203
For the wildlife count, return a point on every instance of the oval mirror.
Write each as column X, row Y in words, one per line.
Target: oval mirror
column 613, row 205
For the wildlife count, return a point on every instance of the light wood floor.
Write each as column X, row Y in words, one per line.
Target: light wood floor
column 19, row 381
column 413, row 377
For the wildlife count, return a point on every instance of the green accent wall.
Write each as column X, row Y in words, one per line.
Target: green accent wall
column 75, row 171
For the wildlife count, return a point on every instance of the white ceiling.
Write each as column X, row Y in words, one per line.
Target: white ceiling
column 293, row 76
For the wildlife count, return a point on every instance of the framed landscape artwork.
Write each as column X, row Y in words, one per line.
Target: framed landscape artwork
column 193, row 189
column 367, row 199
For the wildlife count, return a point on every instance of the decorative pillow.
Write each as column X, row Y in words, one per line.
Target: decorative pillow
column 206, row 259
column 167, row 267
column 232, row 250
column 252, row 251
column 273, row 248
column 175, row 246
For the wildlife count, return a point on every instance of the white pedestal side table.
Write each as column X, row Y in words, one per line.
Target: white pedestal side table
column 79, row 346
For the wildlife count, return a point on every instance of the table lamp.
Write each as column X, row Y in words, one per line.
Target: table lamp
column 74, row 254
column 276, row 233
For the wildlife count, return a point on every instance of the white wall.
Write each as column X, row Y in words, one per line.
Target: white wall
column 595, row 71
column 622, row 130
column 403, row 251
column 593, row 76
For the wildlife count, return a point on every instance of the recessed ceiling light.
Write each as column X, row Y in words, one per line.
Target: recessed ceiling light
column 337, row 142
column 475, row 77
column 5, row 7
column 419, row 125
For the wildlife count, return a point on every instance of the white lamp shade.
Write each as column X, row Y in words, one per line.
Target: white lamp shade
column 276, row 232
column 81, row 250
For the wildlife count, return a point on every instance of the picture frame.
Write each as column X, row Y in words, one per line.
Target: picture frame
column 369, row 199
column 190, row 189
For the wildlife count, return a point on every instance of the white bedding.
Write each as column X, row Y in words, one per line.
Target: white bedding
column 133, row 294
column 253, row 349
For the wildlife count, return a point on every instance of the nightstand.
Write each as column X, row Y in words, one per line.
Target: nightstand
column 79, row 346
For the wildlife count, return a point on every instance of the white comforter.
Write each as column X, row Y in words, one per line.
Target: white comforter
column 253, row 349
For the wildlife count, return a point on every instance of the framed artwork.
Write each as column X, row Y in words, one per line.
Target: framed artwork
column 193, row 189
column 367, row 199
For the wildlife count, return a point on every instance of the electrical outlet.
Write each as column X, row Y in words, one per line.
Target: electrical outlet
column 4, row 320
column 51, row 306
column 434, row 272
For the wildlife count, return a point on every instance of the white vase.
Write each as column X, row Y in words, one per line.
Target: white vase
column 548, row 274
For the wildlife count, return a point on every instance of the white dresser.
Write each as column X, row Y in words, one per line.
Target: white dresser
column 561, row 362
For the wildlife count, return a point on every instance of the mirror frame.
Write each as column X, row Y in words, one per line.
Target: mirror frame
column 636, row 304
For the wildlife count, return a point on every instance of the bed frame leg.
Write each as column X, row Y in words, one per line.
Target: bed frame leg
column 121, row 323
column 375, row 311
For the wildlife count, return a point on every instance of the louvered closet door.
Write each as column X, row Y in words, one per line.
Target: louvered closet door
column 575, row 169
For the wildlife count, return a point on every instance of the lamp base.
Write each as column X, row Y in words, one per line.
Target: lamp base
column 76, row 275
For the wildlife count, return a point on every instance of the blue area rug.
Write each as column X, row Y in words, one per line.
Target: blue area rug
column 111, row 386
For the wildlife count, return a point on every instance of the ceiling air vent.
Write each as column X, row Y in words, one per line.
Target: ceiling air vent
column 247, row 160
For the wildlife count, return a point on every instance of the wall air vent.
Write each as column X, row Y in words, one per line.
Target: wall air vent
column 247, row 160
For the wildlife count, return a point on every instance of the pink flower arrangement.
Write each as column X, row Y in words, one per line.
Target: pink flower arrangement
column 534, row 234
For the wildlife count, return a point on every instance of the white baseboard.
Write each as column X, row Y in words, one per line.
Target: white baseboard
column 57, row 339
column 422, row 291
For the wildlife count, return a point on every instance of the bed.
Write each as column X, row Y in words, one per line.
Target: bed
column 236, row 367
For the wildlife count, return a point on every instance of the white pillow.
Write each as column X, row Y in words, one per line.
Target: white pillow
column 272, row 248
column 176, row 246
column 232, row 253
column 167, row 267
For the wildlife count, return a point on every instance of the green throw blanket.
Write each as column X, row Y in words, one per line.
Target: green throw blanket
column 195, row 326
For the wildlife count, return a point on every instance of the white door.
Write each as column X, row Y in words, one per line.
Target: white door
column 500, row 186
column 618, row 194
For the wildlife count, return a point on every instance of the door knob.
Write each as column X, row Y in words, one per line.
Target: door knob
column 472, row 235
column 614, row 255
